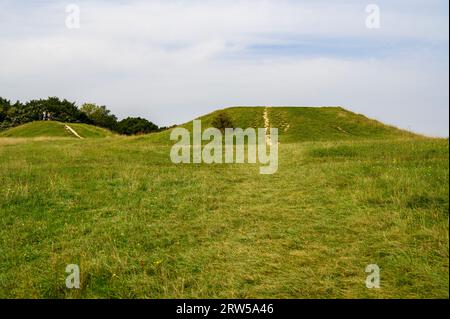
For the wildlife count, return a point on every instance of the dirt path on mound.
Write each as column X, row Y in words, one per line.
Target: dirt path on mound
column 71, row 130
column 267, row 125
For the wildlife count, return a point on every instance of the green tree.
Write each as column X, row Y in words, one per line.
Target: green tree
column 60, row 110
column 63, row 111
column 4, row 107
column 99, row 115
column 10, row 114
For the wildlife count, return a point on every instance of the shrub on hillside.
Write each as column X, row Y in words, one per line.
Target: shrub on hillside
column 222, row 121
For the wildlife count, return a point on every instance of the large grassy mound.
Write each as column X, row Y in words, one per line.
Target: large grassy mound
column 300, row 124
column 55, row 129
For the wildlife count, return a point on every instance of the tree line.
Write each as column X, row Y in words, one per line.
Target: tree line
column 13, row 114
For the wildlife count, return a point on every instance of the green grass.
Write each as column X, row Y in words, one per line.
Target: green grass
column 142, row 227
column 55, row 129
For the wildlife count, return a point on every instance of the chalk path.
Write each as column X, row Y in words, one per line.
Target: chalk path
column 71, row 130
column 267, row 126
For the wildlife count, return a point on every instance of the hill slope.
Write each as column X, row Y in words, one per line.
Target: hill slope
column 301, row 124
column 55, row 129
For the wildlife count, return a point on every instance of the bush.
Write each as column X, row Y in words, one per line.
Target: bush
column 222, row 121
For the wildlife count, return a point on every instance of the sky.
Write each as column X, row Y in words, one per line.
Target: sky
column 171, row 61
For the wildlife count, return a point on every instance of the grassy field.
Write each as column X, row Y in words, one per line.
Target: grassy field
column 349, row 192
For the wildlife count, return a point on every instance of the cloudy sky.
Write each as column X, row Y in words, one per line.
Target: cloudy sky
column 172, row 60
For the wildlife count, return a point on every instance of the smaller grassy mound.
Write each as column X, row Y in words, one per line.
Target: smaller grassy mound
column 38, row 129
column 55, row 129
column 90, row 131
